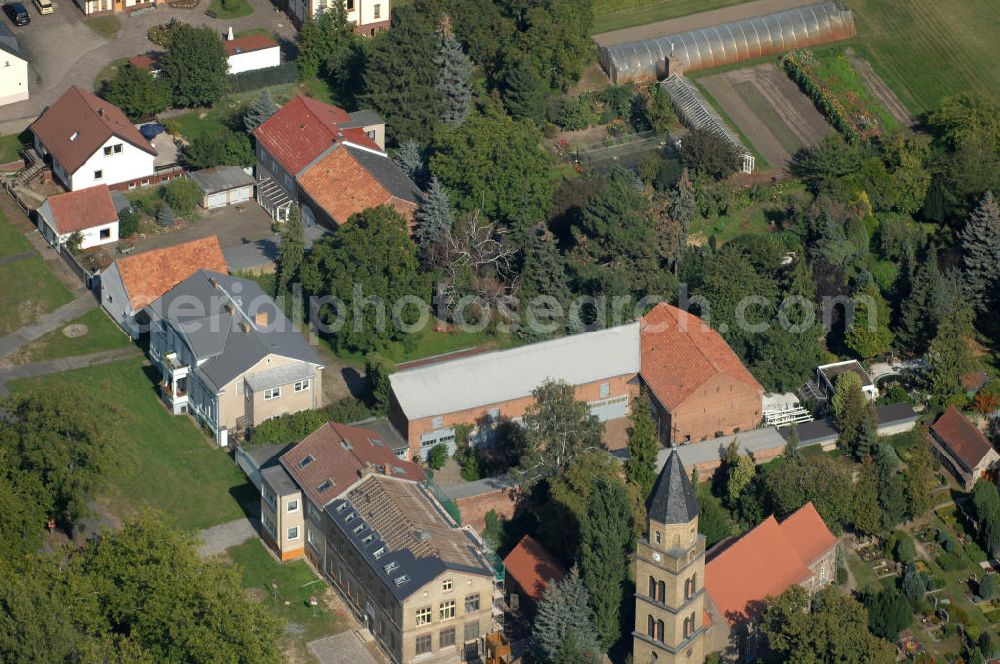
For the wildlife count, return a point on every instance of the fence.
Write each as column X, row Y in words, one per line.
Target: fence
column 614, row 149
column 447, row 503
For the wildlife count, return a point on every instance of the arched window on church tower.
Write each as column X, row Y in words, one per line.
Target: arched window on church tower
column 661, row 591
column 652, row 587
column 651, row 628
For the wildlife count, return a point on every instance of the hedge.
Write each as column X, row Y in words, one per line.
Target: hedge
column 794, row 65
column 286, row 72
column 295, row 427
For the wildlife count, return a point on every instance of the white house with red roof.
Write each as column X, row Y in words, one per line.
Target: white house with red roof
column 368, row 16
column 90, row 212
column 251, row 52
column 89, row 141
column 332, row 163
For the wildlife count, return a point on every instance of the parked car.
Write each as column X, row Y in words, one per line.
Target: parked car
column 44, row 6
column 17, row 13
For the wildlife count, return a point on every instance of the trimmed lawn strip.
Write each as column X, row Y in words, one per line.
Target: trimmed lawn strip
column 30, row 291
column 238, row 9
column 430, row 343
column 618, row 14
column 296, row 584
column 10, row 147
column 102, row 334
column 12, row 240
column 104, row 26
column 165, row 462
column 762, row 108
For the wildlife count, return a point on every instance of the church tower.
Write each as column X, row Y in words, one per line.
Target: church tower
column 670, row 575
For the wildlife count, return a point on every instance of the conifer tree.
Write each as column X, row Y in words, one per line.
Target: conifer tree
column 165, row 216
column 919, row 474
column 259, row 111
column 605, row 544
column 410, row 159
column 454, row 71
column 980, row 242
column 683, row 207
column 434, row 216
column 564, row 618
column 525, row 92
column 291, row 251
column 950, row 355
column 643, row 444
column 869, row 335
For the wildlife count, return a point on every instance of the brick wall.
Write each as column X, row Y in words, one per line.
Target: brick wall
column 720, row 407
column 475, row 508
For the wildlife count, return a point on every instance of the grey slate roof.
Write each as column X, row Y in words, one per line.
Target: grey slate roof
column 673, row 499
column 222, row 178
column 363, row 118
column 267, row 455
column 216, row 321
column 387, row 173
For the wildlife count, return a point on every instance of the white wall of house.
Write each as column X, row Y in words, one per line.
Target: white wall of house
column 115, row 300
column 127, row 163
column 92, row 237
column 13, row 79
column 359, row 12
column 262, row 59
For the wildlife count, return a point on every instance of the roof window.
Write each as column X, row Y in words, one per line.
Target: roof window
column 400, row 580
column 391, row 567
column 324, row 486
column 306, row 460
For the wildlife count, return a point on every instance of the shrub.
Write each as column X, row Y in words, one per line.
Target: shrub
column 219, row 148
column 949, row 562
column 437, row 456
column 286, row 72
column 575, row 113
column 182, row 194
column 161, row 34
column 377, row 370
column 295, row 427
column 904, row 551
column 128, row 222
column 841, row 576
column 988, row 587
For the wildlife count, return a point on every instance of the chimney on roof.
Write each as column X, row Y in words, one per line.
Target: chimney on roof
column 100, row 111
column 245, row 326
column 261, row 318
column 213, row 282
column 339, row 137
column 387, row 470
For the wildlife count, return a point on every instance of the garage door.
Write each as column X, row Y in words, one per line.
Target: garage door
column 610, row 409
column 240, row 195
column 217, row 200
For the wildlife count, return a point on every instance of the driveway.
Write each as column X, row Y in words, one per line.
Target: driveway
column 343, row 648
column 63, row 51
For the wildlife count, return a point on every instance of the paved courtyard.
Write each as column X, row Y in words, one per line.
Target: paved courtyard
column 343, row 648
column 64, row 51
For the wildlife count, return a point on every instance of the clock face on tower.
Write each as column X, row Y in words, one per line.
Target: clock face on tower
column 656, row 557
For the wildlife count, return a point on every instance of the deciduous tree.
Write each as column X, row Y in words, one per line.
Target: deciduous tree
column 869, row 335
column 195, row 66
column 138, row 93
column 919, row 475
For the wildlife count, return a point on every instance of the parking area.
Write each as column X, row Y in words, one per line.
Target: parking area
column 64, row 28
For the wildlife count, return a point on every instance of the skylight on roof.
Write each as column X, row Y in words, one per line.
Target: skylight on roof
column 391, row 567
column 350, row 517
column 379, row 552
column 341, row 507
column 346, row 445
column 400, row 580
column 306, row 460
column 324, row 486
column 398, row 469
column 73, row 136
column 358, row 528
column 368, row 538
column 375, row 441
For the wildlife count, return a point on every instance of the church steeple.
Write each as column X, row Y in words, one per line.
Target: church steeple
column 670, row 574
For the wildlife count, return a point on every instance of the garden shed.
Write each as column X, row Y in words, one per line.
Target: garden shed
column 222, row 186
column 656, row 58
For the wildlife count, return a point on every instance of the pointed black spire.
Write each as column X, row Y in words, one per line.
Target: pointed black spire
column 673, row 499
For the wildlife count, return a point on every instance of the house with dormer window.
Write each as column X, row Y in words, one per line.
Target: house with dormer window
column 88, row 141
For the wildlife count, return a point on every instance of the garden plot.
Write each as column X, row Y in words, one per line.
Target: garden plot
column 769, row 109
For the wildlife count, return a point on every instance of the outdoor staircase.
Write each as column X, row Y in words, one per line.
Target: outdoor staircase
column 35, row 165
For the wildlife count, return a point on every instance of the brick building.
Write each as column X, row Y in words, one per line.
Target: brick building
column 963, row 448
column 428, row 402
column 422, row 585
column 700, row 388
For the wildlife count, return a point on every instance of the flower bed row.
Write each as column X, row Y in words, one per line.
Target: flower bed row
column 795, row 64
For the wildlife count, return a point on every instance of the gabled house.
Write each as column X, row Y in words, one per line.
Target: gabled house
column 98, row 7
column 699, row 386
column 368, row 16
column 424, row 586
column 332, row 163
column 426, row 403
column 13, row 68
column 228, row 356
column 89, row 141
column 963, row 448
column 530, row 570
column 90, row 212
column 251, row 53
column 133, row 282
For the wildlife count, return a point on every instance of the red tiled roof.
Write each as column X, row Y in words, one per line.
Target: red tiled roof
column 964, row 441
column 303, row 129
column 766, row 561
column 680, row 354
column 533, row 567
column 356, row 189
column 83, row 209
column 149, row 275
column 78, row 124
column 248, row 44
column 341, row 453
column 148, row 61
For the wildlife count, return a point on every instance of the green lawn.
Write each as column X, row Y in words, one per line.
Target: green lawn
column 254, row 31
column 617, row 14
column 30, row 290
column 747, row 221
column 12, row 240
column 105, row 26
column 102, row 334
column 430, row 343
column 166, row 462
column 10, row 146
column 296, row 584
column 230, row 8
column 926, row 49
column 836, row 73
column 864, row 576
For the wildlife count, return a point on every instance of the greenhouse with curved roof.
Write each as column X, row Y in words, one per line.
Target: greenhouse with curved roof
column 653, row 59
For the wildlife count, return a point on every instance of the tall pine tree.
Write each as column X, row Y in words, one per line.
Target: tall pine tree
column 919, row 474
column 454, row 71
column 869, row 335
column 917, row 325
column 980, row 241
column 291, row 251
column 434, row 216
column 643, row 444
column 564, row 622
column 259, row 111
column 525, row 92
column 950, row 355
column 410, row 159
column 605, row 544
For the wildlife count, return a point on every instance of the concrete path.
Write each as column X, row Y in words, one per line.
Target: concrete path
column 217, row 539
column 343, row 648
column 64, row 364
column 14, row 341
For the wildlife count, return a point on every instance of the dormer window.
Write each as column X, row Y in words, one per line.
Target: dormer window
column 378, row 553
column 391, row 567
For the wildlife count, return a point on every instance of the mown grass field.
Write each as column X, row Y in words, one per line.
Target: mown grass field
column 164, row 461
column 617, row 14
column 30, row 291
column 102, row 334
